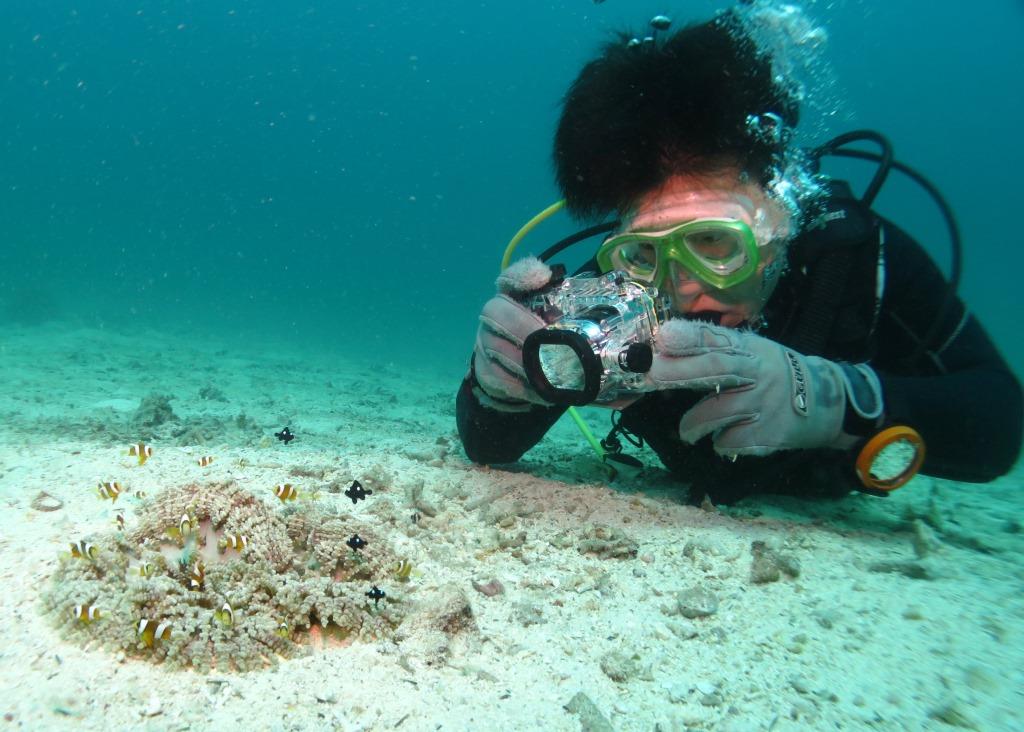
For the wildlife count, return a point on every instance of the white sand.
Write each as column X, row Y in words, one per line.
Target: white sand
column 838, row 647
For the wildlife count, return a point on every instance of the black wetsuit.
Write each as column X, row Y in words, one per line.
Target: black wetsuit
column 858, row 289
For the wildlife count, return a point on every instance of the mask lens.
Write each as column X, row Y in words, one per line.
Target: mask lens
column 638, row 258
column 719, row 249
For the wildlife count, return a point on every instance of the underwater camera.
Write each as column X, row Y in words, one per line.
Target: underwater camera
column 598, row 345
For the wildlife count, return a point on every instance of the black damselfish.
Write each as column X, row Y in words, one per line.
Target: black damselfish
column 375, row 594
column 285, row 435
column 356, row 492
column 356, row 542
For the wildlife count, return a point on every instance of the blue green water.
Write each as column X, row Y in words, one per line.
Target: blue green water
column 348, row 173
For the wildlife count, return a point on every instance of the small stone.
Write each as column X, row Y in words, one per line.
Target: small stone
column 591, row 719
column 913, row 570
column 769, row 565
column 490, row 588
column 661, row 632
column 827, row 618
column 528, row 614
column 706, row 687
column 607, row 542
column 696, row 602
column 677, row 691
column 924, row 540
column 683, row 629
column 618, row 666
column 154, row 707
column 950, row 713
column 45, row 502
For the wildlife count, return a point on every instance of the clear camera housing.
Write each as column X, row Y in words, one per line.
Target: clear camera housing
column 599, row 343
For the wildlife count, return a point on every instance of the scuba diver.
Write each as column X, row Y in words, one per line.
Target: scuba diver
column 805, row 344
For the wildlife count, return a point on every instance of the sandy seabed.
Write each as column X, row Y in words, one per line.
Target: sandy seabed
column 897, row 614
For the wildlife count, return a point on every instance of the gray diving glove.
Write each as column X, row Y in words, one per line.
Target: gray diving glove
column 764, row 397
column 504, row 324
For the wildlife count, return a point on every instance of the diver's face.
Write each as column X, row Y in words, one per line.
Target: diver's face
column 683, row 199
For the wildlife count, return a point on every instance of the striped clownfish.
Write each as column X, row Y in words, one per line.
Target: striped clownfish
column 150, row 631
column 111, row 489
column 86, row 613
column 83, row 550
column 205, row 461
column 197, row 577
column 146, row 569
column 402, row 569
column 283, row 631
column 142, row 451
column 286, row 492
column 186, row 525
column 238, row 542
column 224, row 616
column 120, row 521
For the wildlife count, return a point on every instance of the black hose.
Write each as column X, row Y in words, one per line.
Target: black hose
column 886, row 162
column 577, row 237
column 885, row 159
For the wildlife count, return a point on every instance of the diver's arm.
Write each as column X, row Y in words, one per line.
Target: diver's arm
column 960, row 395
column 490, row 436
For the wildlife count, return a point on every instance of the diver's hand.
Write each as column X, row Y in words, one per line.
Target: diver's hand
column 504, row 325
column 763, row 396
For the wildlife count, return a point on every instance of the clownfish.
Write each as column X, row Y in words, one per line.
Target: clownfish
column 83, row 550
column 146, row 569
column 197, row 576
column 120, row 521
column 151, row 631
column 238, row 542
column 142, row 451
column 283, row 631
column 402, row 570
column 224, row 616
column 186, row 525
column 205, row 461
column 111, row 489
column 286, row 492
column 85, row 613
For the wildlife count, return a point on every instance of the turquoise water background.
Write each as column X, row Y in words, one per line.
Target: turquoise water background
column 345, row 175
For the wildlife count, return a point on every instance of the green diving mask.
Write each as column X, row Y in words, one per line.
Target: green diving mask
column 721, row 252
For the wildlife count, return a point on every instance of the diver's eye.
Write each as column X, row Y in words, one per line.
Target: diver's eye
column 639, row 254
column 714, row 244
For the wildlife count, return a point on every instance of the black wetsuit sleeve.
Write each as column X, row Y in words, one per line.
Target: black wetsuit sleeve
column 960, row 394
column 493, row 437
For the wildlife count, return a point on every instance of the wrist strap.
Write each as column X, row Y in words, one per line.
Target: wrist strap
column 864, row 405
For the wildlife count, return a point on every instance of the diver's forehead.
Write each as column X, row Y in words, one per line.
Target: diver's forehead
column 674, row 207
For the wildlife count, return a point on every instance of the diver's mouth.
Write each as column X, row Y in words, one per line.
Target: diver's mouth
column 705, row 316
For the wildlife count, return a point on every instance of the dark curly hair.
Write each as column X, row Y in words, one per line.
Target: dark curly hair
column 637, row 115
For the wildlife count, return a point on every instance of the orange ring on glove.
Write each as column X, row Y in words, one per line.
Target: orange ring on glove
column 874, row 447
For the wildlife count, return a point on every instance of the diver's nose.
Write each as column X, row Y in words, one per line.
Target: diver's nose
column 684, row 283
